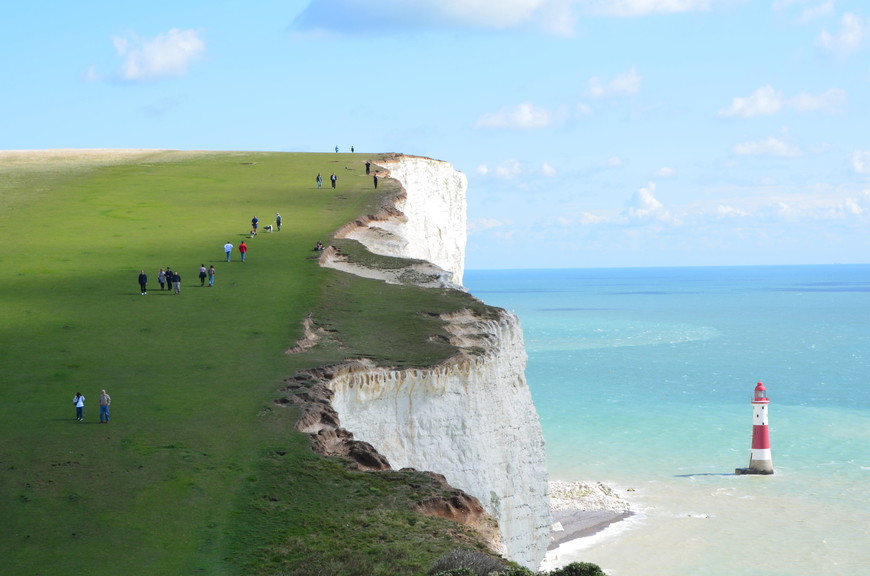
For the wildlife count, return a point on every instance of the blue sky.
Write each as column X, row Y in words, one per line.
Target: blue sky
column 593, row 133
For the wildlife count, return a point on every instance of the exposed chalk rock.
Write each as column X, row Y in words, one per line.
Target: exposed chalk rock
column 470, row 419
column 428, row 221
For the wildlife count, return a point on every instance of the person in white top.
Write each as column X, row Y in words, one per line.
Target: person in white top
column 79, row 403
column 228, row 248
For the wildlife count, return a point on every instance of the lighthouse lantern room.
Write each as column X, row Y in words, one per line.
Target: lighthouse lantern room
column 760, row 461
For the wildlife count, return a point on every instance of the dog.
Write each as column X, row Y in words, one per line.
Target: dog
column 268, row 228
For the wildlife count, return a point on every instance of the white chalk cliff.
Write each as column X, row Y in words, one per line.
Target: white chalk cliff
column 429, row 219
column 472, row 418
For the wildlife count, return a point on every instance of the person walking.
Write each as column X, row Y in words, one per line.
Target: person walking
column 278, row 220
column 255, row 222
column 161, row 278
column 334, row 179
column 319, row 180
column 143, row 282
column 203, row 273
column 211, row 275
column 376, row 181
column 228, row 248
column 79, row 403
column 105, row 400
column 243, row 249
column 368, row 166
column 176, row 282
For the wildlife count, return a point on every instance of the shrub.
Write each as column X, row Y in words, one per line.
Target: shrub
column 463, row 562
column 517, row 571
column 579, row 569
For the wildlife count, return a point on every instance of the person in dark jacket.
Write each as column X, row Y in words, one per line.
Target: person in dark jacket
column 143, row 282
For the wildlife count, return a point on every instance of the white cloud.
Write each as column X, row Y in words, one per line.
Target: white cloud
column 829, row 101
column 783, row 4
column 626, row 83
column 584, row 110
column 777, row 210
column 644, row 199
column 644, row 7
column 548, row 170
column 504, row 14
column 852, row 206
column 322, row 18
column 766, row 101
column 92, row 74
column 665, row 172
column 861, row 161
column 612, row 162
column 483, row 224
column 850, row 38
column 769, row 147
column 590, row 218
column 644, row 206
column 809, row 9
column 165, row 55
column 522, row 116
column 725, row 211
column 763, row 102
column 816, row 11
column 354, row 16
column 509, row 169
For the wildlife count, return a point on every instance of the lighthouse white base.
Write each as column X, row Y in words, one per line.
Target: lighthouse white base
column 757, row 467
column 752, row 471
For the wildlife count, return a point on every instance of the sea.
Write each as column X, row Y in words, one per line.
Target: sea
column 642, row 379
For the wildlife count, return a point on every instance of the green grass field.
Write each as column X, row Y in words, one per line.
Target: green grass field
column 199, row 472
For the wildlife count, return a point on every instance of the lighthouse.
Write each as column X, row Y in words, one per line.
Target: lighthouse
column 759, row 459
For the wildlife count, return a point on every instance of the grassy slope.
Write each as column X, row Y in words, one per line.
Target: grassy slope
column 198, row 472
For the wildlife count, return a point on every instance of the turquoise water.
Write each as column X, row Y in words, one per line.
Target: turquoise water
column 643, row 377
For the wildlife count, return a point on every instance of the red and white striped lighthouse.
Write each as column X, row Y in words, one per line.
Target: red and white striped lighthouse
column 760, row 461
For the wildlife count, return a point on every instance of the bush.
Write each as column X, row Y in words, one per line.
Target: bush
column 579, row 569
column 463, row 562
column 517, row 571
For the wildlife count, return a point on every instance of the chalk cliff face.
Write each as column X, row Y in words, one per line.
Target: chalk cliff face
column 470, row 419
column 428, row 221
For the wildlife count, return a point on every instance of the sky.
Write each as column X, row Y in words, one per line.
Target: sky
column 594, row 133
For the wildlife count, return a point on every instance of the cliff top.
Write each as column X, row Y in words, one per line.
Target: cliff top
column 197, row 461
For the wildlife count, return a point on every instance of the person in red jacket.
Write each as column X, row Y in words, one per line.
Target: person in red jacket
column 243, row 249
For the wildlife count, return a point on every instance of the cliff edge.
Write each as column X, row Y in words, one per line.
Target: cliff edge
column 471, row 418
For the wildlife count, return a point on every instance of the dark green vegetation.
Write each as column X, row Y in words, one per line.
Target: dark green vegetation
column 464, row 562
column 199, row 471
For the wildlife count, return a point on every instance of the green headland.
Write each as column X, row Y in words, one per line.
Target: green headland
column 200, row 471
